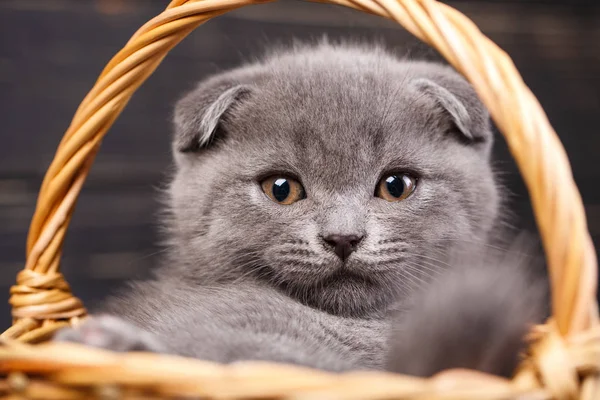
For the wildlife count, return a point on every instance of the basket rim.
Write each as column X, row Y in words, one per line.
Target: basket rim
column 42, row 300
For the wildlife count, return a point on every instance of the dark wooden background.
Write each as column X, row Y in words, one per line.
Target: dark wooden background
column 51, row 52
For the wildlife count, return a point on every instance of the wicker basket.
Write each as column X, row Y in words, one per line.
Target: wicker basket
column 564, row 359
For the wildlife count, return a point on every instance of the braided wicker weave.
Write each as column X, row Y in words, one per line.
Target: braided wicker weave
column 564, row 360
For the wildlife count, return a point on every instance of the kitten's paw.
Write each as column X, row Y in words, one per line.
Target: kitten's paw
column 111, row 333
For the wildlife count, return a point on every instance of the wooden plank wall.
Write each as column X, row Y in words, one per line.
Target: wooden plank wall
column 52, row 50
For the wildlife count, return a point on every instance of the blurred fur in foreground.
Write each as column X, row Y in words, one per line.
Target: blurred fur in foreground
column 475, row 315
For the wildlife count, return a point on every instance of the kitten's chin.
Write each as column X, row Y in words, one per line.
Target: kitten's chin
column 344, row 293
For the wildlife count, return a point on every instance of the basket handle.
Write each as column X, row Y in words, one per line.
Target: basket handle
column 42, row 300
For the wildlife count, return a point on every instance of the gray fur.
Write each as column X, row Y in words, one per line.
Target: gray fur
column 239, row 322
column 476, row 315
column 246, row 278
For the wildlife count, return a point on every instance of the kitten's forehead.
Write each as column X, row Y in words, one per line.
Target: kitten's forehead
column 344, row 116
column 337, row 124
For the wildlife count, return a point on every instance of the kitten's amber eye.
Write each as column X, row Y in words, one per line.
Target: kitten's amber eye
column 396, row 187
column 283, row 190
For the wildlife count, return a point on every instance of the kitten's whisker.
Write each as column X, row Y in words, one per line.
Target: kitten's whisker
column 430, row 271
column 429, row 274
column 242, row 259
column 425, row 264
column 407, row 272
column 381, row 258
column 146, row 256
column 481, row 242
column 300, row 253
column 391, row 264
column 255, row 269
column 302, row 261
column 436, row 260
column 395, row 240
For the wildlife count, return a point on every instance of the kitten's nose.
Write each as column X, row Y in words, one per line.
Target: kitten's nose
column 343, row 245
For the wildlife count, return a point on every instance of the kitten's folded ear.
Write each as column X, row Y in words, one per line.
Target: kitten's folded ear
column 468, row 116
column 200, row 114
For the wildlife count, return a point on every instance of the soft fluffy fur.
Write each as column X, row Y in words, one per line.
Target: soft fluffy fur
column 474, row 315
column 247, row 278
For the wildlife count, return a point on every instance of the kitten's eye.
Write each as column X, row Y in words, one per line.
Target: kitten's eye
column 283, row 190
column 396, row 187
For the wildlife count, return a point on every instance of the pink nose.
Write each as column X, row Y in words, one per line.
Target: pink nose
column 343, row 245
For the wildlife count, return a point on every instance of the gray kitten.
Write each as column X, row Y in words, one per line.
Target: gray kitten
column 314, row 191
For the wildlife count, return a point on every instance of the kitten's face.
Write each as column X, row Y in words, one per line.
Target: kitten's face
column 339, row 141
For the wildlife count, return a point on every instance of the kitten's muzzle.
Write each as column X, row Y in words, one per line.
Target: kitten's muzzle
column 342, row 245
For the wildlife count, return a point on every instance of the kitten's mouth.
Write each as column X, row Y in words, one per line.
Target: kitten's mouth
column 344, row 275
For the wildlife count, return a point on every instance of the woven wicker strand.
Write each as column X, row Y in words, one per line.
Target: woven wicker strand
column 77, row 371
column 564, row 360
